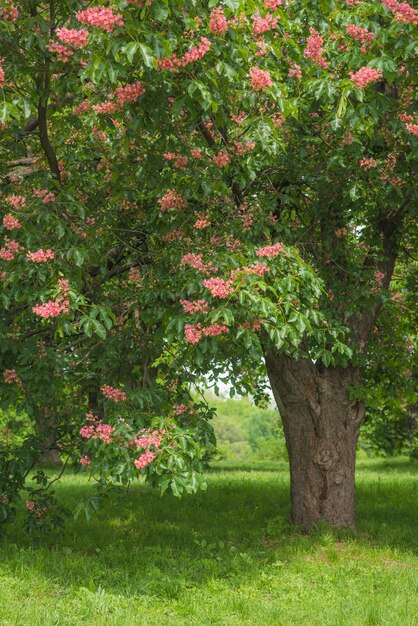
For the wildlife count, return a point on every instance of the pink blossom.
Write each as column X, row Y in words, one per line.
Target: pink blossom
column 260, row 79
column 412, row 128
column 192, row 333
column 9, row 12
column 202, row 222
column 196, row 261
column 264, row 24
column 30, row 505
column 2, row 77
column 85, row 461
column 72, row 37
column 10, row 222
column 46, row 196
column 113, row 394
column 360, row 34
column 174, row 63
column 295, row 71
column 17, row 202
column 145, row 459
column 180, row 409
column 314, row 49
column 99, row 430
column 271, row 251
column 11, row 377
column 41, row 256
column 129, row 93
column 367, row 164
column 402, row 11
column 273, row 4
column 215, row 329
column 218, row 287
column 198, row 306
column 222, row 158
column 62, row 52
column 171, row 201
column 196, row 153
column 100, row 17
column 54, row 308
column 10, row 249
column 218, row 24
column 144, row 439
column 364, row 76
column 258, row 268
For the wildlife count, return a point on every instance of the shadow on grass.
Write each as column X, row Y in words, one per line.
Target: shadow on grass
column 142, row 543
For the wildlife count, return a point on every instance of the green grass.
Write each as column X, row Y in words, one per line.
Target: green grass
column 226, row 557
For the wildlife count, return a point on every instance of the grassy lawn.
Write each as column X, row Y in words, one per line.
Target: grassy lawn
column 225, row 557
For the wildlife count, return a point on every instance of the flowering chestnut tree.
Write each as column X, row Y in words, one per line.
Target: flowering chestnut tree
column 193, row 189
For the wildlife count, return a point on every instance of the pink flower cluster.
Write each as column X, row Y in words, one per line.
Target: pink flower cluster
column 364, row 76
column 242, row 147
column 222, row 158
column 258, row 268
column 295, row 71
column 260, row 79
column 180, row 161
column 124, row 95
column 54, row 308
column 360, row 34
column 264, row 24
column 129, row 93
column 100, row 17
column 412, row 128
column 12, row 378
column 2, row 77
column 171, row 201
column 85, row 461
column 271, row 251
column 273, row 4
column 198, row 306
column 218, row 24
column 146, row 438
column 9, row 12
column 46, row 196
column 402, row 11
column 36, row 509
column 62, row 53
column 367, row 163
column 174, row 63
column 180, row 409
column 10, row 249
column 219, row 287
column 98, row 430
column 194, row 333
column 314, row 49
column 73, row 37
column 196, row 261
column 145, row 459
column 113, row 394
column 202, row 222
column 41, row 256
column 10, row 222
column 16, row 202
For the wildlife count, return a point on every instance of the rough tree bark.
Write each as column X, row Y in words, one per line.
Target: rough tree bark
column 321, row 426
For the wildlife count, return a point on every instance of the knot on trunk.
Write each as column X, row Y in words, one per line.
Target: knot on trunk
column 324, row 458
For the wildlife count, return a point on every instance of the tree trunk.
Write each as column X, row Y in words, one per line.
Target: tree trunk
column 321, row 426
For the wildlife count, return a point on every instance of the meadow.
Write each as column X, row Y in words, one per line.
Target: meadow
column 226, row 557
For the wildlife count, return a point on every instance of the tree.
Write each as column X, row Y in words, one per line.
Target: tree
column 252, row 162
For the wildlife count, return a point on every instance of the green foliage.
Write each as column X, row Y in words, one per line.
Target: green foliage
column 292, row 179
column 245, row 432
